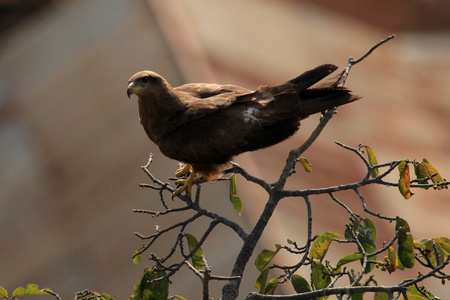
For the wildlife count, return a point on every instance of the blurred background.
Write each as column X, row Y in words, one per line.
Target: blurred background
column 71, row 145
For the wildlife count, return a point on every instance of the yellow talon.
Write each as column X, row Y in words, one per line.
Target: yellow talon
column 186, row 184
column 184, row 170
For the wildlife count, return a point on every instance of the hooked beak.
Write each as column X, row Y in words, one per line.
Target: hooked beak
column 130, row 89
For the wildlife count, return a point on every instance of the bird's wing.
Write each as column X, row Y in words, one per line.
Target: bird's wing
column 201, row 100
column 208, row 90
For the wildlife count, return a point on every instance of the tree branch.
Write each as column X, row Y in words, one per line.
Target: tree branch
column 328, row 292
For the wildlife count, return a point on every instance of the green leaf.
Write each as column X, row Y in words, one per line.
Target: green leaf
column 320, row 246
column 305, row 163
column 444, row 242
column 30, row 289
column 147, row 289
column 3, row 293
column 105, row 296
column 235, row 199
column 320, row 277
column 366, row 234
column 414, row 294
column 404, row 180
column 138, row 258
column 405, row 243
column 373, row 161
column 402, row 224
column 300, row 284
column 196, row 258
column 271, row 286
column 441, row 245
column 265, row 257
column 369, row 236
column 349, row 258
column 420, row 244
column 357, row 296
column 178, row 297
column 381, row 296
column 260, row 283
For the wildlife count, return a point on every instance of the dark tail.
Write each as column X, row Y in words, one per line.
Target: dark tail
column 319, row 100
column 313, row 76
column 324, row 95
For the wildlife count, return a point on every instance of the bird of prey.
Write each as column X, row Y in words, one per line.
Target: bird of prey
column 205, row 125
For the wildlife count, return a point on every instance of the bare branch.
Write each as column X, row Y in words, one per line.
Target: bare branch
column 295, row 153
column 309, row 238
column 363, row 201
column 238, row 169
column 328, row 292
column 425, row 276
column 351, row 62
column 52, row 293
column 355, row 216
column 160, row 213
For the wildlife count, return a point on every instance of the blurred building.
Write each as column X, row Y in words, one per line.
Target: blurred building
column 71, row 145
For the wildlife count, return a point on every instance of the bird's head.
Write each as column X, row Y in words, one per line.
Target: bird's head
column 145, row 83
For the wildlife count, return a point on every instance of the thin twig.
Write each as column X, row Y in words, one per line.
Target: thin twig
column 309, row 239
column 52, row 293
column 351, row 62
column 295, row 153
column 160, row 213
column 363, row 201
column 238, row 169
column 355, row 216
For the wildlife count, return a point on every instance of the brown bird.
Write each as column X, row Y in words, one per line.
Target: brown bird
column 205, row 125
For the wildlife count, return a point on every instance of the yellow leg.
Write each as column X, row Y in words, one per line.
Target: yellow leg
column 184, row 170
column 186, row 184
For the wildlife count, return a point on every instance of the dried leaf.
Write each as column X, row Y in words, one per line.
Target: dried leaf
column 391, row 260
column 426, row 170
column 404, row 180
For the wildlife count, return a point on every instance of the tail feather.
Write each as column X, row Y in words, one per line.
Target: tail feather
column 279, row 118
column 317, row 95
column 313, row 76
column 318, row 100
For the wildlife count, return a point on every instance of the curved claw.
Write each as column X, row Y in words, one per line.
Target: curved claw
column 184, row 170
column 186, row 184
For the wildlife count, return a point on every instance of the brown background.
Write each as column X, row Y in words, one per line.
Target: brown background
column 71, row 144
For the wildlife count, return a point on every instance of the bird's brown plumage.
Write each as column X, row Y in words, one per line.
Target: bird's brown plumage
column 205, row 125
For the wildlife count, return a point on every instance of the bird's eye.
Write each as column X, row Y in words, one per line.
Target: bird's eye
column 145, row 79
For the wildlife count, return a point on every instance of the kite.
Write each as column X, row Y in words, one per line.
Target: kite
column 204, row 125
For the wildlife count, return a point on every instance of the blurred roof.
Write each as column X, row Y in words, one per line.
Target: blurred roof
column 400, row 15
